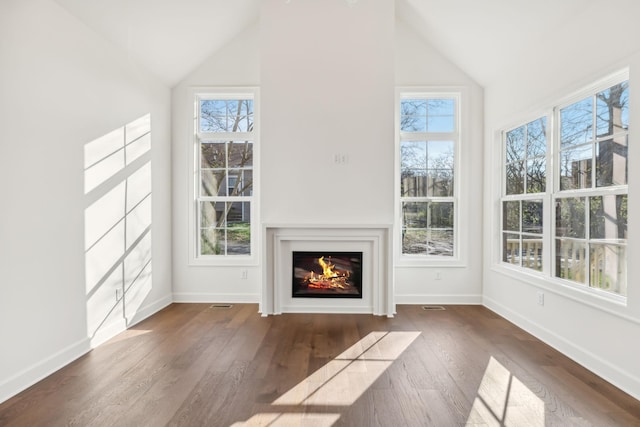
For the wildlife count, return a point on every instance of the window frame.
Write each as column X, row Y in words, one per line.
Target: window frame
column 459, row 95
column 547, row 278
column 196, row 94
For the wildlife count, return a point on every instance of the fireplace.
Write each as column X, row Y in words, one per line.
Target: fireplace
column 326, row 274
column 363, row 249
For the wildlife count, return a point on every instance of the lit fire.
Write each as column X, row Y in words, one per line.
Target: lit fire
column 329, row 279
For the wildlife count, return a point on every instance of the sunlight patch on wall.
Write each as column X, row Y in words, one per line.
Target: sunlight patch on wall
column 503, row 400
column 117, row 227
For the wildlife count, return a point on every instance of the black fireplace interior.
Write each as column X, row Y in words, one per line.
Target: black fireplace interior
column 327, row 274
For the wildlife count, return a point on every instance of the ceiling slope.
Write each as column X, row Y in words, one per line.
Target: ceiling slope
column 170, row 38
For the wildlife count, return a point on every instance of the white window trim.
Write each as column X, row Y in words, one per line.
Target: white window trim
column 460, row 217
column 546, row 280
column 194, row 180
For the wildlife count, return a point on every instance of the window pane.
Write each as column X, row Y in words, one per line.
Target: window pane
column 532, row 216
column 515, row 178
column 441, row 215
column 570, row 260
column 612, row 162
column 212, row 214
column 240, row 183
column 440, row 182
column 414, row 215
column 212, row 154
column 511, row 248
column 536, row 175
column 240, row 154
column 214, row 182
column 413, row 115
column 536, row 138
column 532, row 252
column 413, row 183
column 414, row 242
column 239, row 239
column 575, row 168
column 234, row 115
column 515, row 145
column 413, row 165
column 212, row 241
column 413, row 155
column 570, row 217
column 608, row 217
column 613, row 109
column 441, row 115
column 440, row 164
column 440, row 242
column 511, row 216
column 576, row 123
column 607, row 268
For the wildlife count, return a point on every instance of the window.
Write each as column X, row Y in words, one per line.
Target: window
column 586, row 192
column 428, row 139
column 224, row 187
column 591, row 201
column 522, row 207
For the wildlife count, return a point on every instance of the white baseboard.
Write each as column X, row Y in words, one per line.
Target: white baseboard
column 624, row 380
column 40, row 370
column 29, row 376
column 216, row 298
column 438, row 299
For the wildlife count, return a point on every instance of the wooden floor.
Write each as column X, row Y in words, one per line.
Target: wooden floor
column 196, row 365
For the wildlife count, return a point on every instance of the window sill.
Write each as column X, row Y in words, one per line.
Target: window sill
column 428, row 262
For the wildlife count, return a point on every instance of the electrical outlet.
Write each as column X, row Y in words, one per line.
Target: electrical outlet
column 244, row 274
column 438, row 275
column 540, row 298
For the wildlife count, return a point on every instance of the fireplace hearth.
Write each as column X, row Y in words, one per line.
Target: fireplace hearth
column 326, row 274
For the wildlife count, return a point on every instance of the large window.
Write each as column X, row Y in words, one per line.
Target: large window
column 225, row 146
column 584, row 195
column 428, row 137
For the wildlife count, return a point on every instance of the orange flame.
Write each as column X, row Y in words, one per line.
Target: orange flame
column 329, row 278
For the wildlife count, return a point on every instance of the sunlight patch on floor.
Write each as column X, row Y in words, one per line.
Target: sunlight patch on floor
column 341, row 382
column 503, row 400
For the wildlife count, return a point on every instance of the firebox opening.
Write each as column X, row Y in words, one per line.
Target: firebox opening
column 327, row 274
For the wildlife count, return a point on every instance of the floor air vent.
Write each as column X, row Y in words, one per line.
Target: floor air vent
column 432, row 308
column 220, row 306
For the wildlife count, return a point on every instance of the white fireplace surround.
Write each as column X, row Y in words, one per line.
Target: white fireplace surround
column 374, row 241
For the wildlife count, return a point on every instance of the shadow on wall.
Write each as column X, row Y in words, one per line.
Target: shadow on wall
column 117, row 221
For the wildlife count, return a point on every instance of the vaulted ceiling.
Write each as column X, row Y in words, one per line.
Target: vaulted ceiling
column 171, row 37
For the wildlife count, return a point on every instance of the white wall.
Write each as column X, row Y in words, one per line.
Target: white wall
column 62, row 87
column 328, row 90
column 419, row 64
column 235, row 65
column 601, row 335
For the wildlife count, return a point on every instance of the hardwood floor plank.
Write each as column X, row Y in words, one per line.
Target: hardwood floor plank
column 194, row 364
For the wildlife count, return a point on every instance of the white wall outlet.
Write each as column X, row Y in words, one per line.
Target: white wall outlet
column 438, row 275
column 244, row 274
column 540, row 298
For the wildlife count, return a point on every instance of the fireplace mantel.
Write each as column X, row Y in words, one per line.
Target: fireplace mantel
column 373, row 240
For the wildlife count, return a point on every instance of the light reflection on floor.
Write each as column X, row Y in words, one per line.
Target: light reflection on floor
column 338, row 383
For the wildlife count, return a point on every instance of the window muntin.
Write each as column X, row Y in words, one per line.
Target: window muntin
column 428, row 129
column 589, row 201
column 225, row 144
